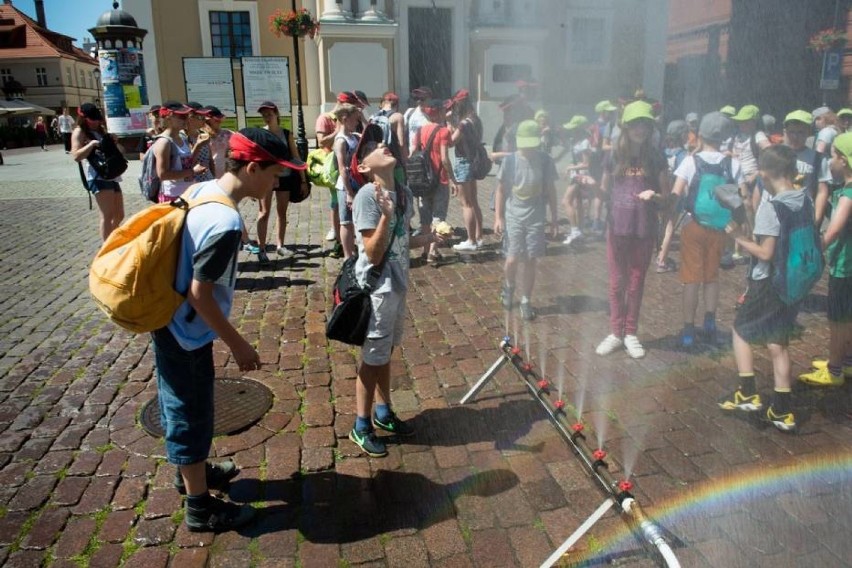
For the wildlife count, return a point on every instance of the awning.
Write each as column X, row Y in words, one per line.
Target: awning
column 20, row 107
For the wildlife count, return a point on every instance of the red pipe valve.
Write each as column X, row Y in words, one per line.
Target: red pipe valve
column 559, row 404
column 543, row 384
column 625, row 486
column 527, row 367
column 599, row 454
column 515, row 350
column 577, row 427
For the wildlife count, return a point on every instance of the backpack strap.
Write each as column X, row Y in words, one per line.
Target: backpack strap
column 727, row 164
column 428, row 147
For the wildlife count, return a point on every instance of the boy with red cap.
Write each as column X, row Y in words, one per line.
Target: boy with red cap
column 183, row 350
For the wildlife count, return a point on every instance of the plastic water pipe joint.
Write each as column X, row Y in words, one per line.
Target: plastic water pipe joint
column 559, row 404
column 599, row 454
column 543, row 383
column 577, row 427
column 527, row 367
column 515, row 351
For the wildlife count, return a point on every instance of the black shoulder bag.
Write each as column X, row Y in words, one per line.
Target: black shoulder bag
column 353, row 307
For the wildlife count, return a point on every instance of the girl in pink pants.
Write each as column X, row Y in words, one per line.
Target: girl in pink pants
column 637, row 180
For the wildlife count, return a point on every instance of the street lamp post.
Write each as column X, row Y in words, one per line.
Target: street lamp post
column 301, row 139
column 97, row 75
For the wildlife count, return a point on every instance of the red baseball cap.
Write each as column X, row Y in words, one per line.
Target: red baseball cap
column 348, row 98
column 174, row 107
column 260, row 145
column 372, row 133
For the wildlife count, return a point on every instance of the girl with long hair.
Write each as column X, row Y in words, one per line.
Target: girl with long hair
column 637, row 181
column 85, row 138
column 173, row 153
column 465, row 135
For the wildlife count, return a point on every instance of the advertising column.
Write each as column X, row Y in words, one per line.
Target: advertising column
column 125, row 96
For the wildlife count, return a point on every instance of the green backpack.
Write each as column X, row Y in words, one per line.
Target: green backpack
column 702, row 202
column 322, row 167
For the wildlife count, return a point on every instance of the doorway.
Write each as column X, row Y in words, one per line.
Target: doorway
column 430, row 47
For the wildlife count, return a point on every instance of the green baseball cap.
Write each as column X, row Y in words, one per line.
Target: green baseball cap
column 799, row 116
column 637, row 110
column 541, row 114
column 528, row 135
column 843, row 144
column 845, row 112
column 728, row 110
column 748, row 112
column 576, row 121
column 605, row 106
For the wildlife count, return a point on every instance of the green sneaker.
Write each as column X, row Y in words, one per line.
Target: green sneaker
column 784, row 422
column 739, row 401
column 393, row 425
column 369, row 443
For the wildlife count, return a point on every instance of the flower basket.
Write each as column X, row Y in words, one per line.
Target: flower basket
column 826, row 40
column 293, row 23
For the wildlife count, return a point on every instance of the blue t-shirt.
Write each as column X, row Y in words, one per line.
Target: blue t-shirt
column 210, row 242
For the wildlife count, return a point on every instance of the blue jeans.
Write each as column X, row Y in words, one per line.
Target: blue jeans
column 185, row 394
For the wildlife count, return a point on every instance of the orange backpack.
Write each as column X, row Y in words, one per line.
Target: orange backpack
column 132, row 277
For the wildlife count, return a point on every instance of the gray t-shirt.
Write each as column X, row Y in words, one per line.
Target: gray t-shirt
column 525, row 185
column 766, row 224
column 365, row 215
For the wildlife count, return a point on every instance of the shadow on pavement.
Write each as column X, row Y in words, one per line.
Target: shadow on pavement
column 330, row 507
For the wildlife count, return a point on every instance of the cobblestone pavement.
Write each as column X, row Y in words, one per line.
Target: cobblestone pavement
column 485, row 484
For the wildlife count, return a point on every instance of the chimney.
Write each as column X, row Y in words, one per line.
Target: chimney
column 39, row 6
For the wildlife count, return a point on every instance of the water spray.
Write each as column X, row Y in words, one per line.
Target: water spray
column 594, row 461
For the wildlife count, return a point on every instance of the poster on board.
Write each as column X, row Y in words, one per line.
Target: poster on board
column 266, row 79
column 210, row 81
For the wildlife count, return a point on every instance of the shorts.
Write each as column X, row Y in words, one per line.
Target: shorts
column 95, row 186
column 385, row 329
column 333, row 202
column 293, row 184
column 343, row 209
column 524, row 240
column 461, row 170
column 700, row 253
column 763, row 318
column 185, row 394
column 434, row 207
column 840, row 299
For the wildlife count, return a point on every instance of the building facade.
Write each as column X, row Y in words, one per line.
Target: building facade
column 43, row 66
column 578, row 51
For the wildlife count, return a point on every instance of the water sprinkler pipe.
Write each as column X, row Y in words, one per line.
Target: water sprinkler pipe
column 594, row 459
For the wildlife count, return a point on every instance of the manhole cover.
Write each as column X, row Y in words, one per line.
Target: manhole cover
column 237, row 404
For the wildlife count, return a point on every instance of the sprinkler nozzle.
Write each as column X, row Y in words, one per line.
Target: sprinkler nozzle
column 527, row 367
column 625, row 486
column 577, row 427
column 559, row 404
column 516, row 350
column 599, row 455
column 542, row 384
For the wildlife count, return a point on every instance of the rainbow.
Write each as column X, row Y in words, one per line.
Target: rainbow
column 730, row 492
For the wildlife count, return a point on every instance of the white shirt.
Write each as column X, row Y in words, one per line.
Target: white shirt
column 686, row 170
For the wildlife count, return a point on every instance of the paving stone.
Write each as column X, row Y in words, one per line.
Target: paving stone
column 97, row 495
column 149, row 557
column 154, row 532
column 75, row 537
column 117, row 526
column 10, row 526
column 33, row 494
column 190, row 558
column 46, row 528
column 70, row 490
column 106, row 556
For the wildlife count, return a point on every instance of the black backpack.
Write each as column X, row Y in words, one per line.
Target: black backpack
column 107, row 160
column 422, row 177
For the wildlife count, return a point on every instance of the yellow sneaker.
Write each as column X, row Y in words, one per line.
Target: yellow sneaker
column 784, row 422
column 822, row 378
column 823, row 364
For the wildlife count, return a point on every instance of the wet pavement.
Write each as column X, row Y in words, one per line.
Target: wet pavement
column 489, row 483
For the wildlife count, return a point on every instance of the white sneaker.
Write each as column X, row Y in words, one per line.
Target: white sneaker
column 608, row 345
column 634, row 348
column 465, row 246
column 480, row 243
column 574, row 235
column 329, row 236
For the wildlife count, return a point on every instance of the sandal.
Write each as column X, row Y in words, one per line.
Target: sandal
column 668, row 265
column 434, row 257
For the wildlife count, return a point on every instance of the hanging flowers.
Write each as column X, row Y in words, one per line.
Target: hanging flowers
column 825, row 40
column 293, row 23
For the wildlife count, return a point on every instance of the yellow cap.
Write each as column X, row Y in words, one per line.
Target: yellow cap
column 728, row 110
column 843, row 144
column 576, row 121
column 637, row 110
column 799, row 116
column 748, row 112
